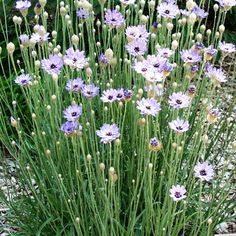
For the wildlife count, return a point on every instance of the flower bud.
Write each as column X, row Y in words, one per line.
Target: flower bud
column 192, row 18
column 174, row 44
column 144, row 19
column 11, row 47
column 221, row 28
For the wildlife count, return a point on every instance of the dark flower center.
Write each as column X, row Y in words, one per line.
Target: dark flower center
column 167, row 11
column 109, row 134
column 23, row 81
column 190, row 58
column 113, row 19
column 178, row 194
column 119, row 95
column 53, row 66
column 89, row 92
column 203, row 172
column 74, row 113
column 74, row 60
column 110, row 97
column 144, row 69
column 148, row 107
column 178, row 101
column 179, row 127
column 156, row 65
column 136, row 49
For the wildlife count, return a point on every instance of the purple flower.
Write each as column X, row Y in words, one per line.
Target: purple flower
column 191, row 91
column 37, row 38
column 227, row 48
column 154, row 144
column 226, row 4
column 216, row 75
column 148, row 106
column 52, row 65
column 114, row 18
column 194, row 68
column 168, row 10
column 179, row 100
column 90, row 91
column 103, row 59
column 24, row 39
column 178, row 192
column 136, row 48
column 213, row 115
column 179, row 126
column 82, row 14
column 74, row 85
column 23, row 79
column 109, row 95
column 120, row 94
column 139, row 32
column 70, row 128
column 200, row 13
column 210, row 52
column 127, row 94
column 75, row 59
column 23, row 5
column 198, row 46
column 73, row 112
column 190, row 56
column 108, row 133
column 204, row 171
column 165, row 52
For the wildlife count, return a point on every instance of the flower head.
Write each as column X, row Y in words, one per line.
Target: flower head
column 139, row 32
column 190, row 56
column 168, row 10
column 204, row 171
column 52, row 65
column 22, row 5
column 148, row 106
column 127, row 94
column 114, row 18
column 23, row 80
column 136, row 48
column 108, row 133
column 178, row 192
column 73, row 112
column 90, row 91
column 75, row 59
column 74, row 85
column 216, row 75
column 191, row 91
column 70, row 128
column 227, row 48
column 154, row 144
column 179, row 125
column 82, row 13
column 165, row 52
column 24, row 39
column 213, row 115
column 179, row 100
column 109, row 95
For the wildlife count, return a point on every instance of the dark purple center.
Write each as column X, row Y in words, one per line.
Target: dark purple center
column 203, row 172
column 110, row 97
column 109, row 134
column 74, row 113
column 177, row 194
column 53, row 66
column 179, row 128
column 178, row 101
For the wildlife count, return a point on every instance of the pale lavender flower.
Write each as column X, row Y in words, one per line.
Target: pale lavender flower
column 210, row 52
column 191, row 91
column 103, row 59
column 127, row 94
column 24, row 39
column 148, row 106
column 178, row 192
column 198, row 46
column 108, row 133
column 75, row 59
column 194, row 68
column 136, row 48
column 190, row 56
column 53, row 65
column 74, row 85
column 179, row 100
column 179, row 125
column 114, row 18
column 168, row 10
column 23, row 80
column 73, row 112
column 204, row 171
column 82, row 13
column 40, row 38
column 127, row 2
column 165, row 52
column 109, row 95
column 23, row 5
column 216, row 75
column 185, row 12
column 227, row 4
column 227, row 48
column 90, row 91
column 70, row 127
column 137, row 33
column 200, row 13
column 154, row 144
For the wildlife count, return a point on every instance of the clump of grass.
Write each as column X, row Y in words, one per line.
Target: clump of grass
column 119, row 126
